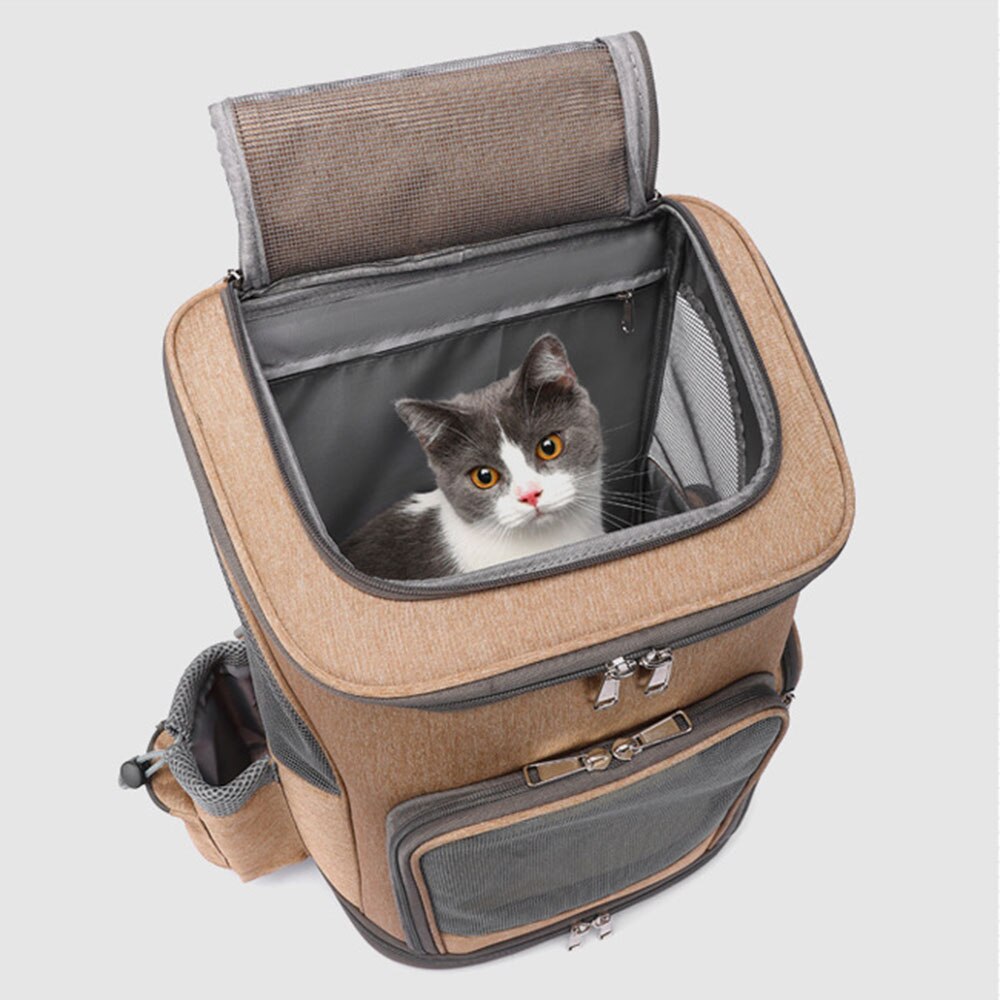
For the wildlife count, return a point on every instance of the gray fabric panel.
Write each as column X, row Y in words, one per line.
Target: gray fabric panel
column 639, row 105
column 290, row 739
column 697, row 421
column 533, row 870
column 216, row 800
column 346, row 434
column 314, row 326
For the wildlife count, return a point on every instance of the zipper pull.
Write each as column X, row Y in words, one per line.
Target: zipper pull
column 627, row 300
column 660, row 664
column 667, row 728
column 544, row 771
column 614, row 673
column 234, row 276
column 578, row 931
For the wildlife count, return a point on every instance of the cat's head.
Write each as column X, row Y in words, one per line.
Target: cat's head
column 521, row 453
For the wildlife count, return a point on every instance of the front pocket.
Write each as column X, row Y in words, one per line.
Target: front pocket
column 478, row 866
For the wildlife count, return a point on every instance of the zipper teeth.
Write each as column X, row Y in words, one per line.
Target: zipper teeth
column 467, row 331
column 511, row 785
column 387, row 588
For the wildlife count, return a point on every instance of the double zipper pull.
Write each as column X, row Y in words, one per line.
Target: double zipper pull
column 594, row 759
column 600, row 758
column 614, row 673
column 660, row 664
column 578, row 931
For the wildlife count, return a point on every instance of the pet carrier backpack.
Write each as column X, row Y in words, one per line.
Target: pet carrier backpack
column 478, row 761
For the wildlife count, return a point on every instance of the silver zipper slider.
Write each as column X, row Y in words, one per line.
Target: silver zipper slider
column 670, row 727
column 544, row 771
column 660, row 664
column 614, row 673
column 578, row 931
column 627, row 300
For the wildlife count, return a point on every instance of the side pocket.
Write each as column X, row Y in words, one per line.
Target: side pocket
column 209, row 765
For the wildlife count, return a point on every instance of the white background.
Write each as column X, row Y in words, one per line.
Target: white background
column 857, row 144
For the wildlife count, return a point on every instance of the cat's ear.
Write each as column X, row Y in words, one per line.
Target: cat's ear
column 546, row 366
column 432, row 423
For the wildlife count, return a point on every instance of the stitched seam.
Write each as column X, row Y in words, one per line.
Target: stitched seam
column 642, row 166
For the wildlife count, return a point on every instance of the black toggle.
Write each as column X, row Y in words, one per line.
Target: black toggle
column 132, row 774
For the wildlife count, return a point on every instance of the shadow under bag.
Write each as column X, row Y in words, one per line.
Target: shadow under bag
column 479, row 761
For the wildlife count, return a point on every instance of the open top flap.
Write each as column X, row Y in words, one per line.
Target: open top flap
column 405, row 163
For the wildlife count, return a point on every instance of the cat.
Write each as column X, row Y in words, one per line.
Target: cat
column 518, row 466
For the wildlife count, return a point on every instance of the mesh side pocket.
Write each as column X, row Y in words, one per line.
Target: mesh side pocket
column 698, row 424
column 209, row 766
column 290, row 739
column 194, row 722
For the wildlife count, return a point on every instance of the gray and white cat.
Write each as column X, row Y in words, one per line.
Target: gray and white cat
column 518, row 466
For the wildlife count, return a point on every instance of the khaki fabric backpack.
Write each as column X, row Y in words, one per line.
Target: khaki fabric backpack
column 479, row 761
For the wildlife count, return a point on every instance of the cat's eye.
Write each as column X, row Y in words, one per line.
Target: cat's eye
column 484, row 477
column 550, row 447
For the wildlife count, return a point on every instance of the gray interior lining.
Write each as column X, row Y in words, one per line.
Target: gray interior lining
column 351, row 317
column 335, row 354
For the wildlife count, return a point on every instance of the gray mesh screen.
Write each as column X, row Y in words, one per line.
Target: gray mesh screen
column 290, row 739
column 216, row 800
column 387, row 167
column 698, row 424
column 564, row 860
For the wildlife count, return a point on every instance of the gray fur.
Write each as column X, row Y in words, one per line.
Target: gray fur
column 400, row 546
column 541, row 397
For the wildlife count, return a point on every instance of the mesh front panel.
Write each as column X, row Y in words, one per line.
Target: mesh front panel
column 563, row 860
column 398, row 166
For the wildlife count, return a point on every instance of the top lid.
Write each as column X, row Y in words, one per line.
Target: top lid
column 405, row 163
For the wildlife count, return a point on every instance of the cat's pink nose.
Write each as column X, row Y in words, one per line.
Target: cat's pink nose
column 529, row 494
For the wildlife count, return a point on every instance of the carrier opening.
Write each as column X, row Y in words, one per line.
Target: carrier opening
column 688, row 418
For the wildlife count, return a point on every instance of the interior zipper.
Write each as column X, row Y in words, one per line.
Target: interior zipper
column 627, row 300
column 429, row 815
column 625, row 324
